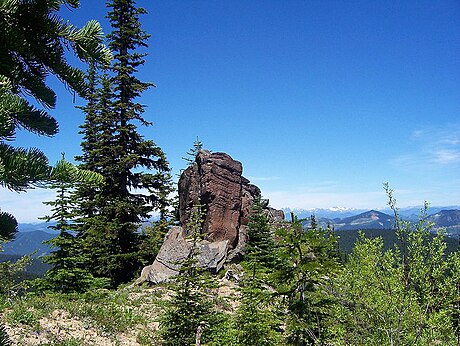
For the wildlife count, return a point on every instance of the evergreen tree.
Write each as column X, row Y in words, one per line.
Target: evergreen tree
column 191, row 154
column 68, row 272
column 190, row 313
column 8, row 226
column 152, row 236
column 260, row 248
column 309, row 262
column 255, row 322
column 12, row 275
column 137, row 177
column 131, row 150
column 33, row 42
column 313, row 222
column 97, row 134
column 91, row 129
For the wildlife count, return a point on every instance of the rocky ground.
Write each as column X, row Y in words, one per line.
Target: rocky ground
column 126, row 317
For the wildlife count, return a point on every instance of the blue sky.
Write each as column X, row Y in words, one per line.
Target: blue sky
column 322, row 101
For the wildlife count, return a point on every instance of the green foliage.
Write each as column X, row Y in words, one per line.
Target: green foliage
column 190, row 313
column 146, row 338
column 136, row 172
column 405, row 295
column 33, row 44
column 191, row 154
column 260, row 248
column 348, row 238
column 11, row 275
column 309, row 263
column 68, row 272
column 152, row 238
column 22, row 314
column 67, row 342
column 22, row 168
column 109, row 313
column 8, row 226
column 222, row 332
column 255, row 321
column 110, row 318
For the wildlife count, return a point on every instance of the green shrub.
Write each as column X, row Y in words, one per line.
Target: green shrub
column 402, row 296
column 21, row 314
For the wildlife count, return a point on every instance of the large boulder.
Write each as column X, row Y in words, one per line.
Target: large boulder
column 215, row 182
column 173, row 251
column 176, row 248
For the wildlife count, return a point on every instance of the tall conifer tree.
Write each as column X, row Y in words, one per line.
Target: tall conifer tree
column 34, row 41
column 135, row 169
column 68, row 272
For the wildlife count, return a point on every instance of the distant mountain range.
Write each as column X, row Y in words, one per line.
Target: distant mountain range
column 29, row 243
column 368, row 220
column 347, row 239
column 328, row 213
column 39, row 226
column 407, row 213
column 446, row 218
column 449, row 219
column 29, row 240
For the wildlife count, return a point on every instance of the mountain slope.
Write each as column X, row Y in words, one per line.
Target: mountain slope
column 368, row 220
column 347, row 239
column 446, row 218
column 26, row 243
column 326, row 213
column 449, row 220
column 40, row 226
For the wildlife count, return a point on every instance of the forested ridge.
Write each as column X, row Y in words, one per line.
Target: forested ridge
column 289, row 285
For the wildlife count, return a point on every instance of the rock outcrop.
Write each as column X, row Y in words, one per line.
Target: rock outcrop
column 176, row 248
column 215, row 182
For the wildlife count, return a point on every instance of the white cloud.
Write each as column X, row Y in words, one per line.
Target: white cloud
column 26, row 206
column 254, row 179
column 437, row 147
column 418, row 134
column 308, row 200
column 446, row 156
column 451, row 141
column 446, row 194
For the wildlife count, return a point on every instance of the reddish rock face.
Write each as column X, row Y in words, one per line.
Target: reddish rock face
column 215, row 181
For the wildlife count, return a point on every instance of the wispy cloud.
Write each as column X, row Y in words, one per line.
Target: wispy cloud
column 437, row 147
column 311, row 199
column 446, row 194
column 446, row 156
column 26, row 206
column 254, row 179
